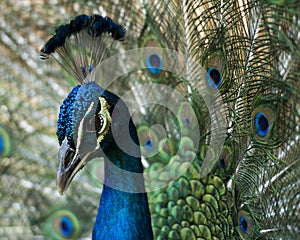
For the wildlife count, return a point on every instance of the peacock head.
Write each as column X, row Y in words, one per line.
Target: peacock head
column 84, row 128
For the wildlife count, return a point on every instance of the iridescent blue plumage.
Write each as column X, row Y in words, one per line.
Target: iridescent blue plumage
column 124, row 211
column 67, row 226
column 261, row 124
column 214, row 78
column 117, row 216
column 5, row 142
column 64, row 123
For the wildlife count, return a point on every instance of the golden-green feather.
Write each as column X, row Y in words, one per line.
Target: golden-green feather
column 250, row 51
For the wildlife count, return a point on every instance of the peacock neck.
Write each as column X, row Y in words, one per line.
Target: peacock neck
column 123, row 211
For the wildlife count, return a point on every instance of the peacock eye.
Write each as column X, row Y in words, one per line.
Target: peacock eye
column 90, row 125
column 95, row 123
column 98, row 123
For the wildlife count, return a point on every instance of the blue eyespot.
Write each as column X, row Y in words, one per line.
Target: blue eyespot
column 186, row 122
column 214, row 78
column 261, row 124
column 1, row 145
column 154, row 63
column 149, row 145
column 244, row 224
column 5, row 143
column 222, row 162
column 67, row 227
column 65, row 123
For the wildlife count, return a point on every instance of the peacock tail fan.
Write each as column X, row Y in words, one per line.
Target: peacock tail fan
column 250, row 59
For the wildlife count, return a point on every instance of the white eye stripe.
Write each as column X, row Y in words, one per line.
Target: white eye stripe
column 80, row 127
column 105, row 122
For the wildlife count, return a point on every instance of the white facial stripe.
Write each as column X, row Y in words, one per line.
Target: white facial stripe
column 104, row 113
column 80, row 128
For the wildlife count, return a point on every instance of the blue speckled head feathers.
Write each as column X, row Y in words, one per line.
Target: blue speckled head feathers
column 74, row 108
column 64, row 123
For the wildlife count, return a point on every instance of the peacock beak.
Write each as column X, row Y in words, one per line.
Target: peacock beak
column 69, row 164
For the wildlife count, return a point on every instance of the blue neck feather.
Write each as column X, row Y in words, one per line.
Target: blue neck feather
column 123, row 214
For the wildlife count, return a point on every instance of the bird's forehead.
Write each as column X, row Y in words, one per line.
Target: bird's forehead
column 87, row 96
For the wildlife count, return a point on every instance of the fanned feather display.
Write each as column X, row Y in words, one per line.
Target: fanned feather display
column 249, row 56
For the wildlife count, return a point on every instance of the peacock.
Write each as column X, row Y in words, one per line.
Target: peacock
column 183, row 116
